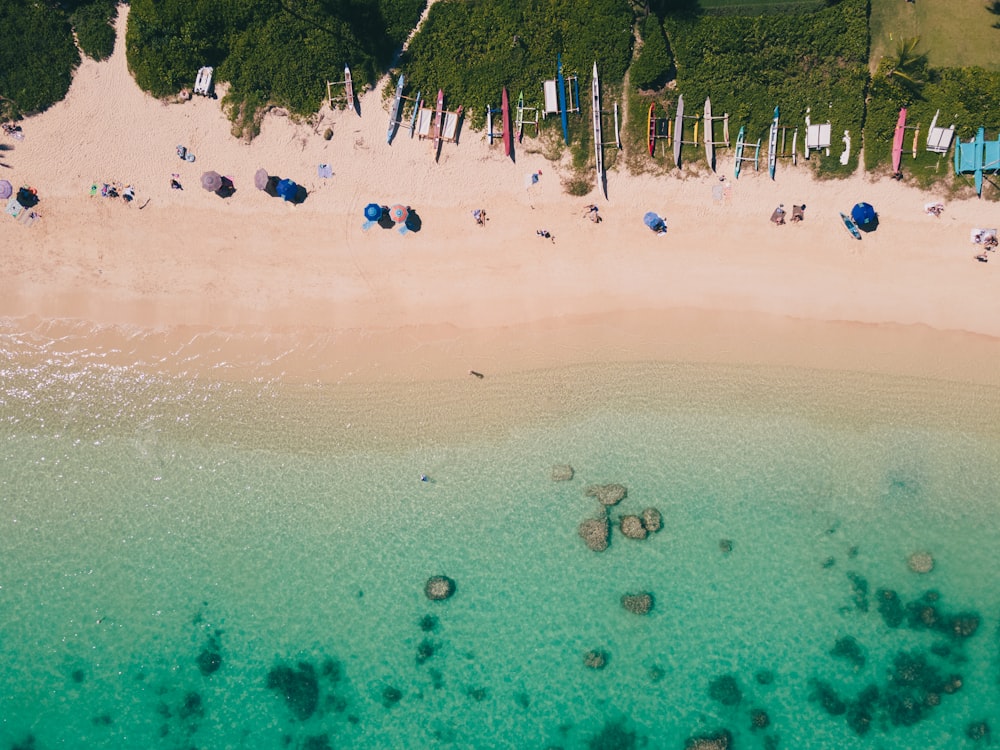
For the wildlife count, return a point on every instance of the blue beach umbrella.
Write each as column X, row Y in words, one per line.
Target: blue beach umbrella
column 373, row 214
column 864, row 216
column 287, row 189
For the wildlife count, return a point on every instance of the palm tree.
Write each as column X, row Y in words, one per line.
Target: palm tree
column 907, row 67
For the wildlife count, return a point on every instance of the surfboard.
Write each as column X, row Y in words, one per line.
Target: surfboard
column 394, row 112
column 897, row 141
column 489, row 124
column 772, row 148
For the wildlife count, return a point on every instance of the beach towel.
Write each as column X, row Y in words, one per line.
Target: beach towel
column 325, row 170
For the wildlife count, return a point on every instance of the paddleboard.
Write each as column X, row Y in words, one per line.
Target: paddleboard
column 851, row 225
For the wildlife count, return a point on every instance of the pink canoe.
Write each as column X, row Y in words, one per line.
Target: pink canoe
column 897, row 140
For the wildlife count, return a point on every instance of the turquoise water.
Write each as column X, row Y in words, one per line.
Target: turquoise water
column 175, row 554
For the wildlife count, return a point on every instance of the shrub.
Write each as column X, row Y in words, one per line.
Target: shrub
column 94, row 31
column 654, row 65
column 37, row 56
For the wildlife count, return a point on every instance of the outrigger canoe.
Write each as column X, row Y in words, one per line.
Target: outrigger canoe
column 505, row 123
column 394, row 113
column 519, row 124
column 897, row 141
column 561, row 92
column 678, row 130
column 349, row 88
column 652, row 127
column 598, row 145
column 438, row 124
column 739, row 150
column 416, row 113
column 709, row 145
column 772, row 148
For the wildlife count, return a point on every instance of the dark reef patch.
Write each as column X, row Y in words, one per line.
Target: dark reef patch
column 848, row 649
column 725, row 690
column 614, row 735
column 298, row 685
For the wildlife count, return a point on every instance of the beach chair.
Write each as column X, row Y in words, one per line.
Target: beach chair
column 450, row 126
column 551, row 98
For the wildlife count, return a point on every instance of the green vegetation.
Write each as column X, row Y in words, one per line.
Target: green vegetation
column 750, row 64
column 755, row 7
column 654, row 64
column 37, row 57
column 956, row 33
column 473, row 48
column 278, row 52
column 92, row 22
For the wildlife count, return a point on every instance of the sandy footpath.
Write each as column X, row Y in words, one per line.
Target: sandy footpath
column 273, row 279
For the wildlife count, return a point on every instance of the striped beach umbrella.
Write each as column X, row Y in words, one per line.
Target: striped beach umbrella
column 399, row 213
column 211, row 181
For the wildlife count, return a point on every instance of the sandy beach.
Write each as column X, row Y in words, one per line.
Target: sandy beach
column 185, row 280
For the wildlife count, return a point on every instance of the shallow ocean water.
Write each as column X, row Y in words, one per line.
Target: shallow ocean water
column 198, row 563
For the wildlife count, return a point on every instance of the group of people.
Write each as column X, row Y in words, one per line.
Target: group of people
column 114, row 190
column 480, row 216
column 934, row 209
column 987, row 238
column 798, row 214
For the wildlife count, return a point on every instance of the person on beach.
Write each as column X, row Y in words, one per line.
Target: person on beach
column 591, row 213
column 544, row 233
column 480, row 216
column 778, row 217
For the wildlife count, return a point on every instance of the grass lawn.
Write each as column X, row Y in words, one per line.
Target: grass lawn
column 955, row 33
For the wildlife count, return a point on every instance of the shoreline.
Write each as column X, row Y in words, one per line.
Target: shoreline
column 301, row 292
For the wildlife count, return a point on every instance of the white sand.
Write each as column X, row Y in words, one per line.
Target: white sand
column 723, row 283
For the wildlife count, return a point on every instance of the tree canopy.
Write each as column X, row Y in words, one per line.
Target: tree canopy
column 277, row 51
